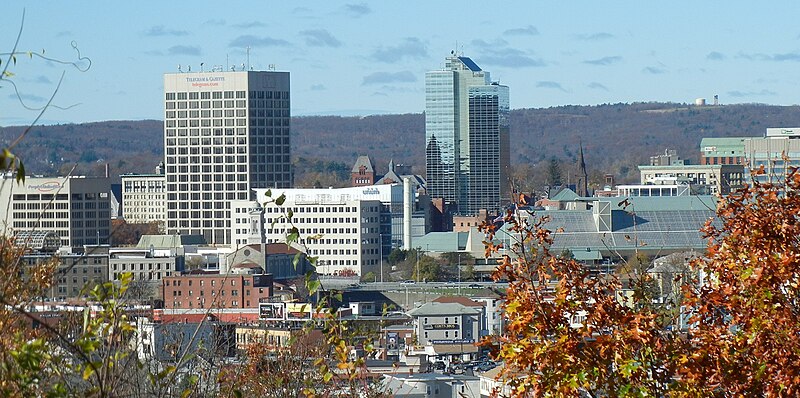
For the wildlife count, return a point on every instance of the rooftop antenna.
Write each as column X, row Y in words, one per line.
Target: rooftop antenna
column 233, row 68
column 271, row 67
column 226, row 61
column 243, row 67
column 179, row 68
column 201, row 66
column 248, row 59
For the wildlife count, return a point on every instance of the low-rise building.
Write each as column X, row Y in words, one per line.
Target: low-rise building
column 722, row 150
column 432, row 385
column 776, row 152
column 170, row 341
column 207, row 290
column 276, row 259
column 445, row 332
column 76, row 271
column 147, row 267
column 719, row 179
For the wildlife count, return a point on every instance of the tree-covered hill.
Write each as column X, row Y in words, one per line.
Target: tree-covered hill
column 615, row 137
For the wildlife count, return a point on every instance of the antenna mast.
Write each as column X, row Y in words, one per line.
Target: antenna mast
column 248, row 57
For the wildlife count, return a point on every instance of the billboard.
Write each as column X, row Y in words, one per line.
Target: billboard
column 298, row 311
column 272, row 311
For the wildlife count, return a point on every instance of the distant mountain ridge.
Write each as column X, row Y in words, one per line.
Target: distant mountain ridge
column 615, row 137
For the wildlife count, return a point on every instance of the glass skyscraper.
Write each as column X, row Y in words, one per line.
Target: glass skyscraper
column 467, row 142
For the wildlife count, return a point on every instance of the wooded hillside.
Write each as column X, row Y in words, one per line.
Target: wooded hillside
column 615, row 138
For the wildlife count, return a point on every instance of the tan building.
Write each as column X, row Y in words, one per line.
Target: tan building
column 464, row 223
column 75, row 208
column 144, row 198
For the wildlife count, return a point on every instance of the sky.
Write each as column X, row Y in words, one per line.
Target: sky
column 354, row 58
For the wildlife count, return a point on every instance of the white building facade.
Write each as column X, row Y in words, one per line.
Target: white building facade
column 369, row 220
column 342, row 234
column 225, row 133
column 144, row 198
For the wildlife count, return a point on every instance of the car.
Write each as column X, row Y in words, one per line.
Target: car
column 475, row 286
column 485, row 366
column 408, row 282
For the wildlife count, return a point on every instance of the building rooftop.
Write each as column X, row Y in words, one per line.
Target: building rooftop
column 165, row 241
column 465, row 301
column 365, row 162
column 437, row 309
column 469, row 63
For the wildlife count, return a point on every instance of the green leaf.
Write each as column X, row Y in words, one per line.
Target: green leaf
column 280, row 199
column 292, row 236
column 87, row 372
column 313, row 286
column 20, row 172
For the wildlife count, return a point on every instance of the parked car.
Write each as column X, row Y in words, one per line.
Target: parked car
column 485, row 366
column 408, row 282
column 475, row 286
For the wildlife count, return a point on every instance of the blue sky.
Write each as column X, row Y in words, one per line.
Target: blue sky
column 366, row 58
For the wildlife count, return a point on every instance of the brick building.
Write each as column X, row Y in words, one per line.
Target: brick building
column 204, row 290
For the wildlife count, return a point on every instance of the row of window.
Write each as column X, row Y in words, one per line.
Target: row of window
column 326, row 209
column 207, row 114
column 229, row 94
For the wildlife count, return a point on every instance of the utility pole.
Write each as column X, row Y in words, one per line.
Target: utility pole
column 418, row 250
column 459, row 274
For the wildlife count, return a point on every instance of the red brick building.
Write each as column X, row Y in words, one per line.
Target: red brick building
column 362, row 173
column 202, row 290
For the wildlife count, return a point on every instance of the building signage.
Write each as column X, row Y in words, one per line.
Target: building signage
column 441, row 326
column 48, row 186
column 371, row 191
column 783, row 131
column 710, row 149
column 296, row 311
column 205, row 81
column 457, row 341
column 271, row 311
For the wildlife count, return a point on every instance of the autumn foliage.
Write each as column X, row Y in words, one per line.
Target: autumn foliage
column 747, row 311
column 735, row 331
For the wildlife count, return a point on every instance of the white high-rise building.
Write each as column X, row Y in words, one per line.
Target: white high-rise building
column 225, row 133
